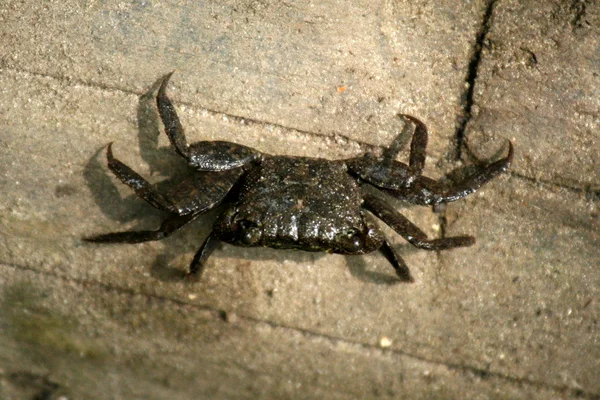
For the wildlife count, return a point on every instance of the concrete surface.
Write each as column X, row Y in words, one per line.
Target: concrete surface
column 515, row 316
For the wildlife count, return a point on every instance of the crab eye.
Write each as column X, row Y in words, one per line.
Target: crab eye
column 246, row 224
column 250, row 233
column 354, row 243
column 350, row 240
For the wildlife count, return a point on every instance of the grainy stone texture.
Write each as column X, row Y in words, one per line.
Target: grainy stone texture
column 514, row 316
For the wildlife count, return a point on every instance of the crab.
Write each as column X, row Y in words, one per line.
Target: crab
column 288, row 202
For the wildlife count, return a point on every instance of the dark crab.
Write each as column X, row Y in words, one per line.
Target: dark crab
column 300, row 203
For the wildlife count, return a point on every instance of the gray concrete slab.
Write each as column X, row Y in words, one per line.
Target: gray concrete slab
column 514, row 316
column 539, row 85
column 78, row 339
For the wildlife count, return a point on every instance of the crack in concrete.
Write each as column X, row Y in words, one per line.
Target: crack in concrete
column 219, row 313
column 472, row 72
column 467, row 97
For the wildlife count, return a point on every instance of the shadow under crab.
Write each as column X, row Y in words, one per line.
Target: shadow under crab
column 302, row 203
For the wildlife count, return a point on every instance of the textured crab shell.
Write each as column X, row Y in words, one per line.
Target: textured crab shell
column 299, row 202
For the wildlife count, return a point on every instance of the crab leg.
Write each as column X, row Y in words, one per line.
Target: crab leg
column 140, row 186
column 193, row 194
column 410, row 231
column 169, row 225
column 397, row 262
column 426, row 191
column 418, row 144
column 169, row 117
column 199, row 261
column 387, row 173
column 203, row 155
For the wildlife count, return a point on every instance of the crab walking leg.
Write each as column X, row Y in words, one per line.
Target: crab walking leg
column 410, row 231
column 390, row 152
column 169, row 225
column 385, row 172
column 425, row 191
column 477, row 180
column 397, row 262
column 169, row 117
column 140, row 186
column 204, row 155
column 418, row 144
column 199, row 261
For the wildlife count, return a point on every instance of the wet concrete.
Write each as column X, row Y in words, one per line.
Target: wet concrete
column 514, row 316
